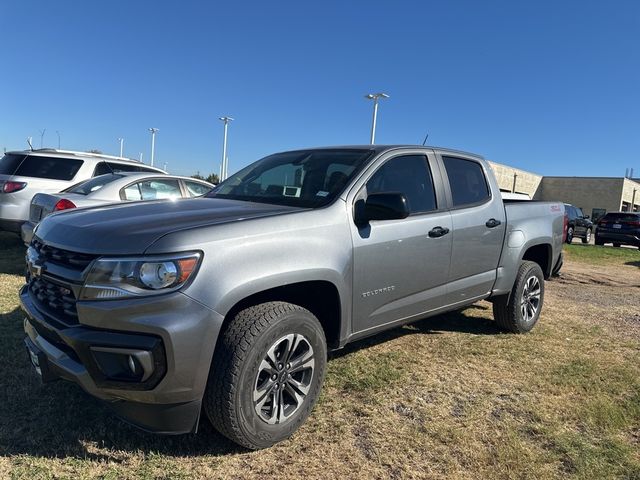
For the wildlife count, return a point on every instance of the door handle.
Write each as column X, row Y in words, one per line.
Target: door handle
column 492, row 222
column 438, row 232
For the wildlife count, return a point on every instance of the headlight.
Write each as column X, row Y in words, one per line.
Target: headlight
column 115, row 278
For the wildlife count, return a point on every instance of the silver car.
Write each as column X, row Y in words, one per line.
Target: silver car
column 112, row 188
column 25, row 173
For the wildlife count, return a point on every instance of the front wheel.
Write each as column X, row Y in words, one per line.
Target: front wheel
column 587, row 236
column 521, row 311
column 266, row 374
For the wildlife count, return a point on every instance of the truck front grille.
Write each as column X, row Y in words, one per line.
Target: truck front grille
column 47, row 253
column 54, row 300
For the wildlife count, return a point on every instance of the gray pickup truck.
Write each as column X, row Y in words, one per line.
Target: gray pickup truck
column 228, row 304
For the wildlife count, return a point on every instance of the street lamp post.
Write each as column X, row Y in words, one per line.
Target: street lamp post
column 153, row 142
column 225, row 165
column 58, row 132
column 375, row 97
column 121, row 140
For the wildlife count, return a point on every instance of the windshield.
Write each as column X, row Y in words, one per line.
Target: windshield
column 304, row 178
column 93, row 185
column 621, row 217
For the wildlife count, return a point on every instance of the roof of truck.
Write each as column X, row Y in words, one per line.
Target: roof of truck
column 383, row 148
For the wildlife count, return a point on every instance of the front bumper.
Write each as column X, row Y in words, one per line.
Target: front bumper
column 180, row 331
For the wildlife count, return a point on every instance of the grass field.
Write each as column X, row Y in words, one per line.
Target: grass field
column 447, row 397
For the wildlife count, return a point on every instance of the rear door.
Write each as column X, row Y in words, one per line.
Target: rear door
column 478, row 228
column 400, row 271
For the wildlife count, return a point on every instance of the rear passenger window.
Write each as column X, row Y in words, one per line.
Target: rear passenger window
column 409, row 175
column 467, row 181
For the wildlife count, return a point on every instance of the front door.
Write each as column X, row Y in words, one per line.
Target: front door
column 400, row 270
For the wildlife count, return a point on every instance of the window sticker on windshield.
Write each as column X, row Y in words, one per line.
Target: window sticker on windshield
column 322, row 193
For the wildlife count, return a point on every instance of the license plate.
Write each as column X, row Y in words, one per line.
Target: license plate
column 35, row 361
column 617, row 225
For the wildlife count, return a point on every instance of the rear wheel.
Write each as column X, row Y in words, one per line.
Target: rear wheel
column 521, row 311
column 266, row 374
column 569, row 234
column 587, row 236
column 598, row 241
column 617, row 245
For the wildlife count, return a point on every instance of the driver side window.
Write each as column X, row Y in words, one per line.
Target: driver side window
column 409, row 175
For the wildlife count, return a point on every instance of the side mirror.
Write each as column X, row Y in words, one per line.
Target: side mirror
column 586, row 217
column 381, row 206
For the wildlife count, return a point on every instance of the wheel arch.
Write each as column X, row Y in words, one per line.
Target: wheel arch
column 320, row 297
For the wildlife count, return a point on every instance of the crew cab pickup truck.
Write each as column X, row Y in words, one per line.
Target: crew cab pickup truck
column 227, row 304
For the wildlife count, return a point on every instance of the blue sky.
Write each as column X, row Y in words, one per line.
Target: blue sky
column 548, row 86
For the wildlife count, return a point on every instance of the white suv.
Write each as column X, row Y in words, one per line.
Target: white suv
column 25, row 173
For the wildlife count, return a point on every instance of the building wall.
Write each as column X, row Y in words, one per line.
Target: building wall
column 628, row 196
column 526, row 182
column 588, row 193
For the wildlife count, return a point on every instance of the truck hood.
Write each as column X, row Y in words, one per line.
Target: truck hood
column 130, row 228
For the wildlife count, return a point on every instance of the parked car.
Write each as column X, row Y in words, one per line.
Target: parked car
column 25, row 173
column 579, row 225
column 228, row 303
column 619, row 228
column 112, row 188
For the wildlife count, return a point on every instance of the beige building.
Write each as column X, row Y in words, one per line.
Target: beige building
column 515, row 180
column 594, row 195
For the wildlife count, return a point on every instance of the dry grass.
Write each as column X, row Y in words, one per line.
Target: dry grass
column 448, row 397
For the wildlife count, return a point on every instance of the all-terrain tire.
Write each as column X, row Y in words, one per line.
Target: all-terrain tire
column 508, row 312
column 569, row 234
column 597, row 241
column 587, row 236
column 236, row 369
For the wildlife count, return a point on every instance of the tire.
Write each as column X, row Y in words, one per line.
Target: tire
column 569, row 234
column 587, row 236
column 617, row 245
column 597, row 241
column 508, row 312
column 244, row 361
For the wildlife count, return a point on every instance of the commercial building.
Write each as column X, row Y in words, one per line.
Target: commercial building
column 594, row 195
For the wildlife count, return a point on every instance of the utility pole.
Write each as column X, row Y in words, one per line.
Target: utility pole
column 42, row 136
column 153, row 142
column 225, row 165
column 165, row 166
column 140, row 157
column 515, row 177
column 121, row 140
column 58, row 132
column 375, row 97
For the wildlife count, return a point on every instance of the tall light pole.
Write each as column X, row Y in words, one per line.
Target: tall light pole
column 375, row 97
column 42, row 136
column 58, row 132
column 153, row 142
column 225, row 165
column 121, row 140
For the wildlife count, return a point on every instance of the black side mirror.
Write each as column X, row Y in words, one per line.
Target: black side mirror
column 381, row 206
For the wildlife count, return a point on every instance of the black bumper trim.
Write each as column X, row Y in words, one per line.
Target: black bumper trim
column 172, row 419
column 76, row 341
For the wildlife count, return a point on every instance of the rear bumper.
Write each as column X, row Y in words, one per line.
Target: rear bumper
column 11, row 225
column 626, row 238
column 168, row 402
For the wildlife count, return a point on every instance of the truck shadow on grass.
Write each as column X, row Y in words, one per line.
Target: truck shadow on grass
column 59, row 420
column 633, row 264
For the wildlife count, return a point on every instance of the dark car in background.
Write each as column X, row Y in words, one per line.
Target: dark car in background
column 578, row 225
column 619, row 228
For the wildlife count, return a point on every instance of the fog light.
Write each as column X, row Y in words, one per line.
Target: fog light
column 123, row 364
